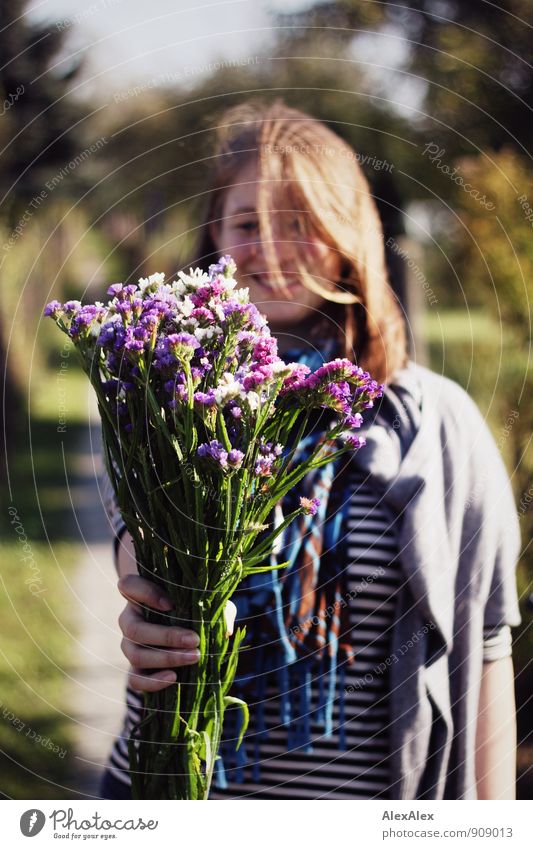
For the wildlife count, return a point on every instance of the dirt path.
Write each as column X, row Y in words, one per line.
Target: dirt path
column 97, row 693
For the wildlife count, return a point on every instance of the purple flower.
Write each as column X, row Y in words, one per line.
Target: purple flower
column 354, row 441
column 136, row 338
column 112, row 335
column 53, row 309
column 310, row 505
column 267, row 449
column 235, row 458
column 182, row 345
column 173, row 348
column 150, row 320
column 115, row 289
column 269, row 453
column 355, row 420
column 202, row 314
column 72, row 307
column 124, row 309
column 332, row 372
column 263, row 467
column 226, row 266
column 113, row 387
column 200, row 371
column 245, row 338
column 205, row 399
column 214, row 450
column 108, row 333
column 337, row 396
column 155, row 306
column 265, row 351
column 255, row 319
column 84, row 318
column 296, row 378
column 257, row 377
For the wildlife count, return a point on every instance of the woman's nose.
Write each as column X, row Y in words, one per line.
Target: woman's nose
column 255, row 248
column 260, row 247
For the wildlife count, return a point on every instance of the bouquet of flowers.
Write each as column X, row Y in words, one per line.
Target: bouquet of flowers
column 201, row 421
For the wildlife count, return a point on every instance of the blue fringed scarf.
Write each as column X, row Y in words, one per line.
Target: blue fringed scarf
column 297, row 620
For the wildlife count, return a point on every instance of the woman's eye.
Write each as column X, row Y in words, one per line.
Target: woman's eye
column 247, row 226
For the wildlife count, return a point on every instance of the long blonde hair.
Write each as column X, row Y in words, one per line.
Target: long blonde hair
column 307, row 171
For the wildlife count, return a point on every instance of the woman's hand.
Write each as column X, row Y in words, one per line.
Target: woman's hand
column 175, row 646
column 158, row 647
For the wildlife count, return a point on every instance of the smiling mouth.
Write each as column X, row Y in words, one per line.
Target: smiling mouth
column 274, row 286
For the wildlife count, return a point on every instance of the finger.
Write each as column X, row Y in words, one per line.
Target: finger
column 147, row 658
column 142, row 591
column 230, row 612
column 138, row 631
column 138, row 680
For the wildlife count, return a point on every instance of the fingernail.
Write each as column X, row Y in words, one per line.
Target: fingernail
column 190, row 642
column 165, row 603
column 167, row 676
column 192, row 656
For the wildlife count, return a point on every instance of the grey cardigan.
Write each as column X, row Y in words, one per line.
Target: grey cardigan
column 459, row 543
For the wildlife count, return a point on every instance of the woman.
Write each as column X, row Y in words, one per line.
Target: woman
column 402, row 687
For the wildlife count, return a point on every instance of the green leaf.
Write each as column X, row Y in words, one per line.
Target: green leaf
column 206, row 751
column 256, row 570
column 233, row 700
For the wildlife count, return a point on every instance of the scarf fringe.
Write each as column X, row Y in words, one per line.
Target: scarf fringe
column 297, row 713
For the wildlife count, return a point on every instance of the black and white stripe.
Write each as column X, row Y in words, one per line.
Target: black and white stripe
column 361, row 771
column 327, row 772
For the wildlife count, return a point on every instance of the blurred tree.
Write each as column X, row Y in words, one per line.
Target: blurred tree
column 498, row 252
column 161, row 143
column 40, row 125
column 462, row 72
column 39, row 132
column 473, row 62
column 498, row 249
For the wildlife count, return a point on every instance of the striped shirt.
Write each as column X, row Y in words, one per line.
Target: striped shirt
column 361, row 770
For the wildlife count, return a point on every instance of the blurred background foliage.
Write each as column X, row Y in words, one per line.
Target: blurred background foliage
column 109, row 188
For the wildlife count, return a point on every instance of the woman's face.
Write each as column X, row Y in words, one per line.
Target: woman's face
column 238, row 234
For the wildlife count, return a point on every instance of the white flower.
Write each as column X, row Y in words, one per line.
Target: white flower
column 227, row 389
column 156, row 279
column 281, row 369
column 242, row 296
column 202, row 333
column 219, row 312
column 190, row 324
column 186, row 306
column 178, row 287
column 253, row 400
column 194, row 279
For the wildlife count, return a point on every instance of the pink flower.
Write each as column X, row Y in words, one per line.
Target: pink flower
column 310, row 505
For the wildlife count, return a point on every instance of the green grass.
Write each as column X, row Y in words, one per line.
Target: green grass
column 38, row 619
column 468, row 347
column 34, row 660
column 65, row 385
column 451, row 326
